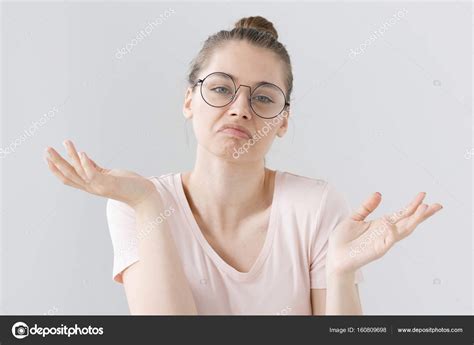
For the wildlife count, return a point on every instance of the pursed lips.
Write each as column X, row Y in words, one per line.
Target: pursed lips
column 236, row 130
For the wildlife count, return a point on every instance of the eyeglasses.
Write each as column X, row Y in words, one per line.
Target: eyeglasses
column 266, row 100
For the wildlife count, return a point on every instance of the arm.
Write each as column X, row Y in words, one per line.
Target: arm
column 156, row 284
column 342, row 296
column 355, row 243
column 342, row 299
column 318, row 301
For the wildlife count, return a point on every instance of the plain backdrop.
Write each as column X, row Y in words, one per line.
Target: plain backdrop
column 396, row 118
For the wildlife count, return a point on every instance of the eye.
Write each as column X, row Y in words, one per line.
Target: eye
column 263, row 99
column 221, row 89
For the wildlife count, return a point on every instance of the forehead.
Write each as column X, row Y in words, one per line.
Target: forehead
column 247, row 63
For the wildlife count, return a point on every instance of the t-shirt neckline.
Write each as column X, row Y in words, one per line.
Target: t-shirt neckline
column 216, row 258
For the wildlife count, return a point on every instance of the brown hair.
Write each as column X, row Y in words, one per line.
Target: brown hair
column 255, row 30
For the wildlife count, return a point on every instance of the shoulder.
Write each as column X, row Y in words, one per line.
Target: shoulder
column 301, row 189
column 300, row 183
column 311, row 194
column 165, row 181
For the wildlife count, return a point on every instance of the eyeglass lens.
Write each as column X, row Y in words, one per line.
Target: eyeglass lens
column 267, row 100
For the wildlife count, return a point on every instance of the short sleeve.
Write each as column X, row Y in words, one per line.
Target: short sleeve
column 333, row 209
column 122, row 226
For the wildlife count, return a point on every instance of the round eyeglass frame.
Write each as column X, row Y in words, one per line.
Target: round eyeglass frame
column 201, row 81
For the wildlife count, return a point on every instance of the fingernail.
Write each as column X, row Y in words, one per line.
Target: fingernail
column 378, row 193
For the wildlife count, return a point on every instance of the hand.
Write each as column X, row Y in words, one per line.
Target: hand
column 354, row 242
column 83, row 173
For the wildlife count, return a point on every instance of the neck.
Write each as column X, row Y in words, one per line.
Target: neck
column 224, row 192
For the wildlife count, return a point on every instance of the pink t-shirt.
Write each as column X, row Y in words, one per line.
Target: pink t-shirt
column 292, row 261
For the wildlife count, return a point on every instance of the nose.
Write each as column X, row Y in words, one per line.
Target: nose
column 240, row 105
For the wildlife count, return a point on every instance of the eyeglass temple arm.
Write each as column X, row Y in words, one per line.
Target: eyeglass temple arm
column 197, row 82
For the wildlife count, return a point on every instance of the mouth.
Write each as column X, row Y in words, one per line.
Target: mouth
column 235, row 130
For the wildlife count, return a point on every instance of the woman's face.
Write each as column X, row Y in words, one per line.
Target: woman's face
column 249, row 65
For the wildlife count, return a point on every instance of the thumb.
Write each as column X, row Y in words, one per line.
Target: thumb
column 367, row 207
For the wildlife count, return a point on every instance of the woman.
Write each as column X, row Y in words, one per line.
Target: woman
column 232, row 236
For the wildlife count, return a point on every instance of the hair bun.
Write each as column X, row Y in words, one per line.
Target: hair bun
column 258, row 23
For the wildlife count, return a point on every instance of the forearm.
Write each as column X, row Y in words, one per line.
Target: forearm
column 342, row 297
column 164, row 288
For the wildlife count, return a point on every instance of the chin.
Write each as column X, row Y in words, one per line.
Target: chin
column 226, row 149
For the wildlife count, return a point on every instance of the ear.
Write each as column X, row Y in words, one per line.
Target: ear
column 187, row 110
column 284, row 123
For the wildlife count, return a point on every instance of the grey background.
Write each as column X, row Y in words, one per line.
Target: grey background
column 394, row 119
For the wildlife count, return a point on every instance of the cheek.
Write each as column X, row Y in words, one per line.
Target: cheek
column 266, row 131
column 204, row 119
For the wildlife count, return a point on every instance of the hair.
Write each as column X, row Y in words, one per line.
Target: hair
column 255, row 30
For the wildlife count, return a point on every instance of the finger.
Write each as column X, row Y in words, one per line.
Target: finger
column 414, row 220
column 432, row 209
column 76, row 162
column 60, row 176
column 406, row 211
column 89, row 167
column 413, row 206
column 367, row 207
column 64, row 167
column 428, row 212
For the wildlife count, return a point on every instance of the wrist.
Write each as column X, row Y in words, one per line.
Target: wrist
column 340, row 267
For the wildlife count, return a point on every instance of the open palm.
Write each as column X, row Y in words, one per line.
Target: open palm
column 356, row 242
column 84, row 174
